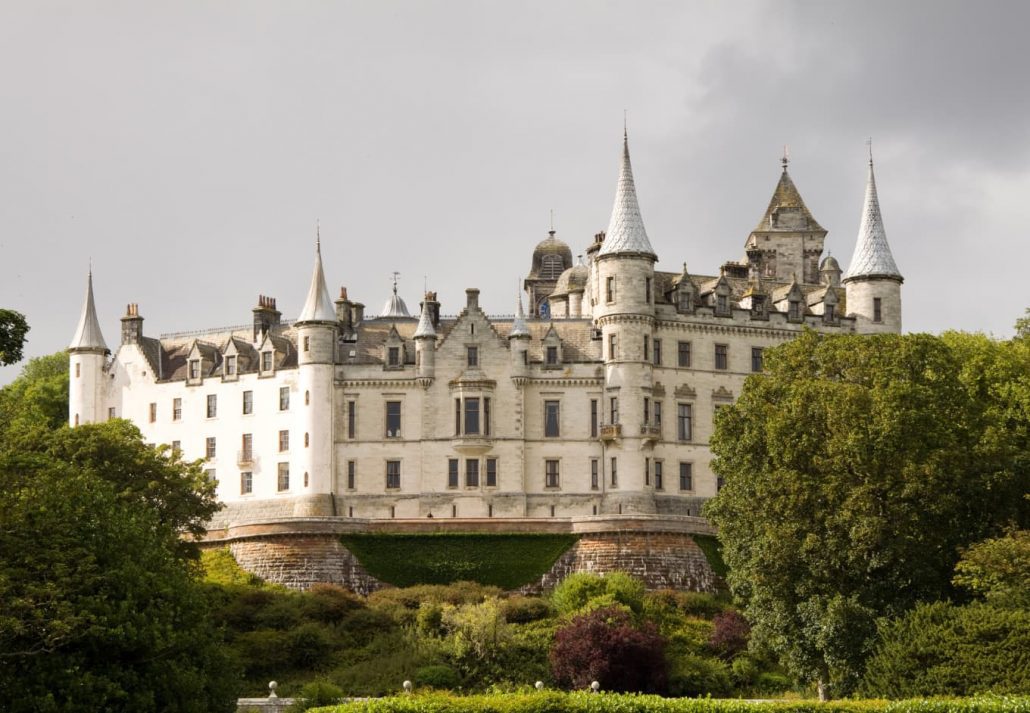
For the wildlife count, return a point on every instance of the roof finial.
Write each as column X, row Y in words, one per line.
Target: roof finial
column 318, row 235
column 869, row 143
column 395, row 276
column 786, row 156
column 552, row 221
column 625, row 125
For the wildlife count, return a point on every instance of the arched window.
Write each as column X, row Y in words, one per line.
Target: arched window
column 551, row 267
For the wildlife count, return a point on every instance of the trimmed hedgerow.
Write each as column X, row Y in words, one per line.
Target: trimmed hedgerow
column 712, row 548
column 554, row 702
column 506, row 561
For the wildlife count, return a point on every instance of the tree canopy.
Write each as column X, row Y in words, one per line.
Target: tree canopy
column 855, row 469
column 13, row 329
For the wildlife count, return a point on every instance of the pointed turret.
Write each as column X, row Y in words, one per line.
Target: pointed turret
column 318, row 307
column 519, row 328
column 626, row 233
column 872, row 257
column 425, row 330
column 87, row 335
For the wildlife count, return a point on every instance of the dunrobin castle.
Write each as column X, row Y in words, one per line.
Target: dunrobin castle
column 593, row 404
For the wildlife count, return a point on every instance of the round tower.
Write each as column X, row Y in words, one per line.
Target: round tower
column 872, row 283
column 87, row 356
column 317, row 328
column 518, row 340
column 425, row 340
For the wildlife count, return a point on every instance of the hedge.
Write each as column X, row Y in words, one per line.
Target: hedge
column 712, row 548
column 503, row 560
column 556, row 702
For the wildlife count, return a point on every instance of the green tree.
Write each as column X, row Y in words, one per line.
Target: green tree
column 13, row 329
column 998, row 569
column 855, row 468
column 37, row 401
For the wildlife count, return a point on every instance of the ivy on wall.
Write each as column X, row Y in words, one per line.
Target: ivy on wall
column 712, row 548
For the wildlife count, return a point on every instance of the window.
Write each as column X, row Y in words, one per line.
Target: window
column 209, row 473
column 471, row 472
column 78, row 370
column 756, row 359
column 284, row 441
column 457, row 417
column 472, row 356
column 194, row 369
column 284, row 477
column 393, row 356
column 593, row 418
column 284, row 398
column 647, row 411
column 209, row 447
column 658, row 476
column 266, row 361
column 248, row 402
column 491, row 472
column 486, row 417
column 176, row 409
column 307, row 344
column 307, row 398
column 551, row 418
column 647, row 348
column 594, row 475
column 305, row 479
column 612, row 346
column 609, row 289
column 307, row 439
column 657, row 352
column 719, row 482
column 212, row 405
column 614, row 409
column 829, row 313
column 686, row 300
column 153, row 412
column 647, row 290
column 794, row 310
column 647, row 471
column 471, row 416
column 352, row 467
column 176, row 446
column 877, row 309
column 686, row 476
column 247, row 448
column 246, row 483
column 658, row 415
column 230, row 365
column 111, row 413
column 721, row 304
column 615, row 472
column 551, row 473
column 393, row 474
column 552, row 356
column 351, row 418
column 393, row 419
column 721, row 356
column 452, row 472
column 684, row 419
column 683, row 354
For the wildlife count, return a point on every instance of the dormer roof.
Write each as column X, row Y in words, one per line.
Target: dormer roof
column 87, row 334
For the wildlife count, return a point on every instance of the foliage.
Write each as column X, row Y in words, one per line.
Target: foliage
column 998, row 569
column 506, row 561
column 1023, row 325
column 36, row 402
column 439, row 676
column 584, row 590
column 603, row 645
column 13, row 329
column 522, row 610
column 315, row 694
column 730, row 633
column 712, row 548
column 944, row 649
column 855, row 468
column 693, row 675
column 220, row 567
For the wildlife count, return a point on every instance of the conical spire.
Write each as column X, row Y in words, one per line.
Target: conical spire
column 626, row 233
column 518, row 326
column 786, row 201
column 318, row 307
column 88, row 335
column 872, row 257
column 425, row 330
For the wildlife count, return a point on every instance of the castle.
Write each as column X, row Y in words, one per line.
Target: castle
column 599, row 402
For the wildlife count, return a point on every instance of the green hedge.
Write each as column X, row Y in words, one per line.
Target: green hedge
column 712, row 548
column 555, row 702
column 506, row 561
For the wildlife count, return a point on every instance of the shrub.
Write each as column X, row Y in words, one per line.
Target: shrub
column 694, row 675
column 700, row 604
column 264, row 652
column 310, row 646
column 437, row 676
column 690, row 635
column 220, row 567
column 522, row 610
column 316, row 694
column 603, row 645
column 577, row 591
column 329, row 603
column 429, row 620
column 730, row 633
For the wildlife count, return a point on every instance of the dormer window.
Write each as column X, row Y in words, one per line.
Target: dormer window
column 721, row 304
column 758, row 307
column 794, row 311
column 230, row 365
column 552, row 356
column 829, row 313
column 686, row 300
column 393, row 356
column 266, row 361
column 194, row 369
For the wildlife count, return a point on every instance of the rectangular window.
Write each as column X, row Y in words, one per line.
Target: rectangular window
column 609, row 289
column 683, row 354
column 452, row 472
column 722, row 304
column 486, row 417
column 472, row 356
column 613, row 409
column 877, row 309
column 266, row 361
column 658, row 476
column 613, row 346
column 393, row 474
column 647, row 290
column 794, row 310
column 684, row 422
column 551, row 473
column 284, row 477
column 209, row 447
column 552, row 356
column 647, row 471
column 307, row 344
column 352, row 468
column 212, row 405
column 153, row 412
column 194, row 368
column 230, row 365
column 594, row 475
column 471, row 472
column 246, row 483
column 658, row 415
column 657, row 352
column 551, row 419
column 177, row 446
column 756, row 359
column 247, row 448
column 284, row 441
column 647, row 411
column 491, row 472
column 78, row 370
column 210, row 475
column 471, row 416
column 284, row 398
column 393, row 419
column 352, row 416
column 615, row 472
column 593, row 418
column 248, row 402
column 647, row 348
column 457, row 417
column 686, row 476
column 176, row 409
column 721, row 356
column 393, row 356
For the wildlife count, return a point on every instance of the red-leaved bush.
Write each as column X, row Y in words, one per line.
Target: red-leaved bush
column 731, row 632
column 605, row 646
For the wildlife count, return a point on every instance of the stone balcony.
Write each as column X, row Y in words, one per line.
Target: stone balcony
column 650, row 433
column 472, row 444
column 610, row 432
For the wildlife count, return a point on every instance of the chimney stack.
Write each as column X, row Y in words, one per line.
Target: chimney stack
column 266, row 316
column 132, row 325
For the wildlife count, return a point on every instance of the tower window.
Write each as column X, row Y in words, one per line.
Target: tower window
column 609, row 289
column 613, row 345
column 647, row 290
column 614, row 409
column 283, row 477
column 615, row 472
column 551, row 473
column 647, row 410
column 658, row 415
column 647, row 348
column 657, row 352
column 594, row 475
column 153, row 412
column 593, row 418
column 78, row 370
column 352, row 467
column 307, row 344
column 877, row 309
column 351, row 418
column 551, row 267
column 246, row 483
column 658, row 476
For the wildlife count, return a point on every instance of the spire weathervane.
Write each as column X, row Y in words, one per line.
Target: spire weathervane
column 395, row 276
column 786, row 156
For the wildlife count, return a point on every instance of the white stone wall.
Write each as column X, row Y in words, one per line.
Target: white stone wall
column 860, row 294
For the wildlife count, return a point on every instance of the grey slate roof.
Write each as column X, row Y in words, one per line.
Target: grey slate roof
column 425, row 323
column 872, row 257
column 87, row 334
column 518, row 325
column 318, row 307
column 626, row 233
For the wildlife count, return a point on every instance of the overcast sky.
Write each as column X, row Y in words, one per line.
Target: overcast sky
column 190, row 147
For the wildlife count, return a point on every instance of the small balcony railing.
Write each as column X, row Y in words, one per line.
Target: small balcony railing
column 245, row 457
column 650, row 432
column 610, row 431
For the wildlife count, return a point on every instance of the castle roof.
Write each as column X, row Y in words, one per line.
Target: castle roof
column 626, row 233
column 787, row 210
column 318, row 307
column 425, row 323
column 87, row 334
column 518, row 325
column 872, row 257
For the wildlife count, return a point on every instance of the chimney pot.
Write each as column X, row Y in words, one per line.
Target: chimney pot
column 472, row 298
